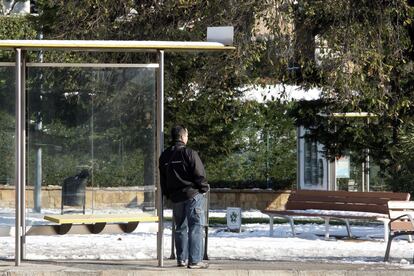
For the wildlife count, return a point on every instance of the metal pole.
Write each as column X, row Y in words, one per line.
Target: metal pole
column 363, row 177
column 334, row 176
column 367, row 171
column 18, row 149
column 37, row 191
column 268, row 186
column 160, row 146
column 367, row 166
column 334, row 171
column 93, row 158
column 23, row 155
column 38, row 177
column 207, row 210
column 298, row 158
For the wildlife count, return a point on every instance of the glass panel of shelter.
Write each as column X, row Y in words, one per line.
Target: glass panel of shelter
column 91, row 139
column 346, row 173
column 7, row 133
column 349, row 173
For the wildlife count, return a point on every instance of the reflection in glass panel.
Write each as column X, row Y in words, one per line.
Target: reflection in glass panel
column 353, row 182
column 7, row 144
column 92, row 132
column 313, row 164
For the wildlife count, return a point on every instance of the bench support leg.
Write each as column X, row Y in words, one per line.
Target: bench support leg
column 270, row 226
column 410, row 238
column 326, row 228
column 387, row 251
column 386, row 230
column 348, row 228
column 292, row 226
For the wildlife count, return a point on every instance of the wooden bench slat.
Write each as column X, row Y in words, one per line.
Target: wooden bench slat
column 336, row 207
column 384, row 195
column 395, row 214
column 322, row 198
column 100, row 218
column 394, row 204
column 400, row 208
column 327, row 214
column 401, row 226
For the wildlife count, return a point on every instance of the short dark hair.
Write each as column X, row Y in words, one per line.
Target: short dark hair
column 176, row 132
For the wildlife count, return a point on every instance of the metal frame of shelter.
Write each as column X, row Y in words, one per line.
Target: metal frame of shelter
column 20, row 47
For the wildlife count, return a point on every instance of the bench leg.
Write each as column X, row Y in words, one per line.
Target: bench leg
column 270, row 226
column 386, row 231
column 326, row 228
column 348, row 228
column 387, row 251
column 292, row 225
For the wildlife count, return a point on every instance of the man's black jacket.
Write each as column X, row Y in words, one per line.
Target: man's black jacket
column 182, row 173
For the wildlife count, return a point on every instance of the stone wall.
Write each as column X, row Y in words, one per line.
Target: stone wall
column 247, row 199
column 133, row 197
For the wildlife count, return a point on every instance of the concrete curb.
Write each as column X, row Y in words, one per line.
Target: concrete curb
column 217, row 267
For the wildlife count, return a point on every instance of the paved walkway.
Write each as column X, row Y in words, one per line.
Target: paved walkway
column 217, row 267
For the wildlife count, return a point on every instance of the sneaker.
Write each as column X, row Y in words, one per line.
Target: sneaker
column 181, row 263
column 199, row 265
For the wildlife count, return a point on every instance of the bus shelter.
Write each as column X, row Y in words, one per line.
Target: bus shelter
column 110, row 128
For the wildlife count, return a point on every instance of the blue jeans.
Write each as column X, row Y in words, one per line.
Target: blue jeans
column 189, row 220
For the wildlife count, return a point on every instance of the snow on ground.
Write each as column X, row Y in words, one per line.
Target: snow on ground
column 252, row 243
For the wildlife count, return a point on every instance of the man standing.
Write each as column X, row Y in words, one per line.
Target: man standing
column 184, row 182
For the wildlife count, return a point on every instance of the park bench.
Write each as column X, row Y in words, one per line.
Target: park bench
column 336, row 205
column 401, row 215
column 90, row 224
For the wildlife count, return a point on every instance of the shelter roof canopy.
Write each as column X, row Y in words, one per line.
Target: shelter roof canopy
column 113, row 45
